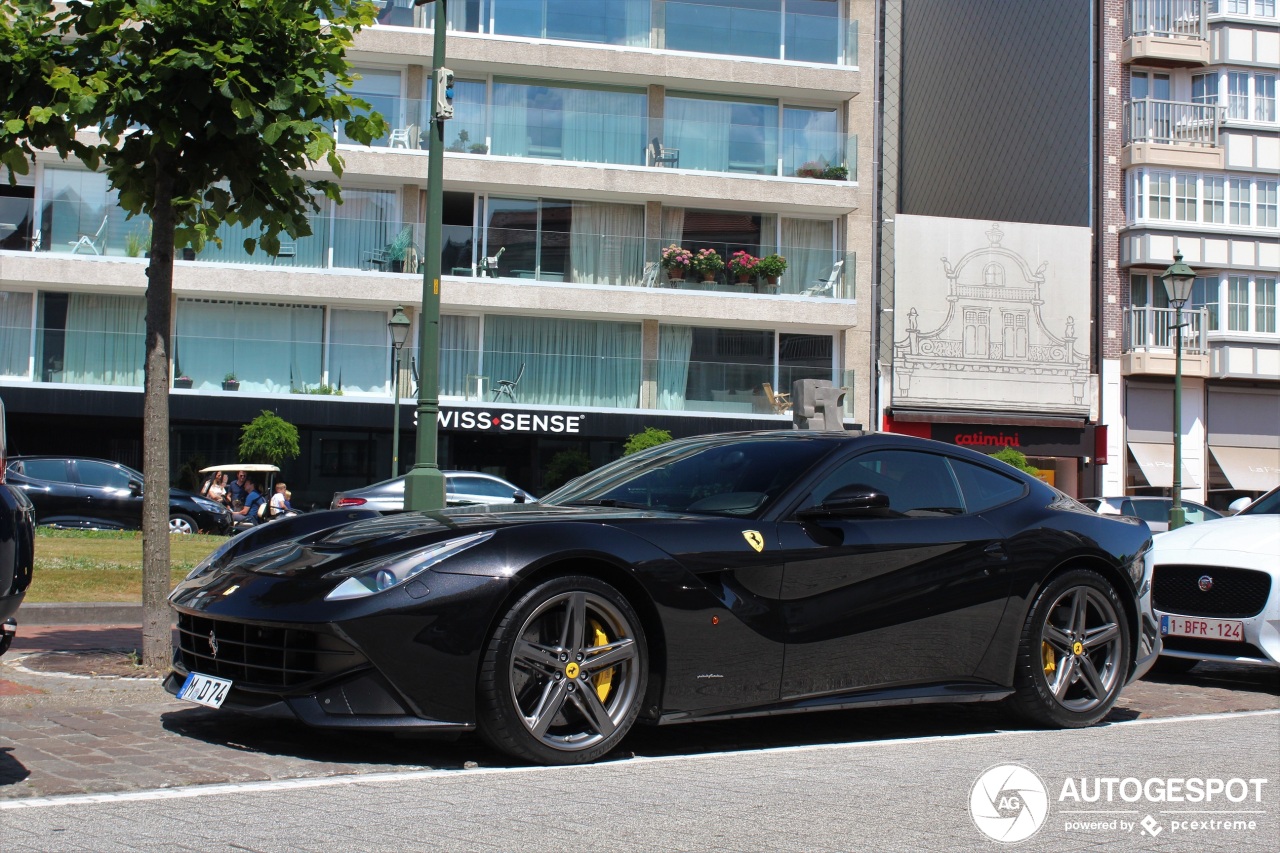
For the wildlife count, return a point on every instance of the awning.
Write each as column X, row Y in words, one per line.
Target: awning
column 1250, row 469
column 1156, row 462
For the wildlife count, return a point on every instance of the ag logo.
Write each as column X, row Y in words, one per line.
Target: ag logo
column 1009, row 803
column 754, row 539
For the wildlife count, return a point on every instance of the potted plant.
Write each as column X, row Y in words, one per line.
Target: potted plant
column 398, row 247
column 135, row 243
column 811, row 169
column 772, row 266
column 676, row 261
column 478, row 148
column 230, row 382
column 707, row 263
column 460, row 143
column 182, row 382
column 743, row 265
column 836, row 173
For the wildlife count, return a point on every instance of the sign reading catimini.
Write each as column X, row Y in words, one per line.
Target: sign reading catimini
column 525, row 422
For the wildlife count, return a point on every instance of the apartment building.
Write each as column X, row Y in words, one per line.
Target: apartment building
column 587, row 138
column 1190, row 106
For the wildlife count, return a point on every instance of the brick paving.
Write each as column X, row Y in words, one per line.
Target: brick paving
column 65, row 732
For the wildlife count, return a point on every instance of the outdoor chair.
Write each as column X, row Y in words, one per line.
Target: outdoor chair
column 781, row 403
column 660, row 155
column 96, row 243
column 507, row 387
column 827, row 286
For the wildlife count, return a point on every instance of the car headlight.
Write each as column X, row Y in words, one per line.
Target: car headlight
column 208, row 505
column 378, row 575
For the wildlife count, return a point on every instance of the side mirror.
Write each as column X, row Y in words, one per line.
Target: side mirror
column 852, row 500
column 519, row 497
column 135, row 488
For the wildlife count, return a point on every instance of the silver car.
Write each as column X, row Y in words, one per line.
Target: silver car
column 461, row 488
column 1151, row 509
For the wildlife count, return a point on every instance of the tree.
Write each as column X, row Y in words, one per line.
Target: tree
column 206, row 112
column 565, row 466
column 268, row 438
column 651, row 437
column 1017, row 459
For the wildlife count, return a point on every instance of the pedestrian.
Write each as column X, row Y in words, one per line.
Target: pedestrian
column 236, row 489
column 280, row 501
column 252, row 500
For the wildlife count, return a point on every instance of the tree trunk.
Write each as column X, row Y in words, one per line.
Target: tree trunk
column 157, row 618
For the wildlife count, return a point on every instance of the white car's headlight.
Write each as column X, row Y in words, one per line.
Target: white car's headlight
column 376, row 576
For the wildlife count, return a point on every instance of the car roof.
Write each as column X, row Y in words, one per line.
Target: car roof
column 249, row 467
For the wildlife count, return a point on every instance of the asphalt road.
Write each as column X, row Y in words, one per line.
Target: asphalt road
column 116, row 764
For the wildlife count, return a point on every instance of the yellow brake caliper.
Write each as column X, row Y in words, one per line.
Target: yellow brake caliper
column 1047, row 656
column 604, row 680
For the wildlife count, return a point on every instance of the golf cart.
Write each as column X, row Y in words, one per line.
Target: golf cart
column 264, row 476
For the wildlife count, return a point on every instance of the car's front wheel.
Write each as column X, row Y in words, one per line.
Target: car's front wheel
column 1073, row 658
column 183, row 524
column 564, row 674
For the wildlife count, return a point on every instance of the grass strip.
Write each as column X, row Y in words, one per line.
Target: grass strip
column 104, row 565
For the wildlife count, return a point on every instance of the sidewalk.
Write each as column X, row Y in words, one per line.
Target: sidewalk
column 78, row 627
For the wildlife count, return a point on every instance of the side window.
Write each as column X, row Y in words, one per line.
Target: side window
column 54, row 470
column 1195, row 514
column 99, row 474
column 912, row 480
column 983, row 488
column 1151, row 510
column 489, row 488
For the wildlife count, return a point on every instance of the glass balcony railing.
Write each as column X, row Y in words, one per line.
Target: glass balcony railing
column 806, row 145
column 1147, row 329
column 1171, row 123
column 1165, row 19
column 386, row 245
column 741, row 28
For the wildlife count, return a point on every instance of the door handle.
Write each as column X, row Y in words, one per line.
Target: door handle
column 996, row 551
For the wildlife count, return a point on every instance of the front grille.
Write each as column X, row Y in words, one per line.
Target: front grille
column 1235, row 592
column 1200, row 646
column 259, row 657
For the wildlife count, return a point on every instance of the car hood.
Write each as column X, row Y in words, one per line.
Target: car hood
column 370, row 538
column 1245, row 534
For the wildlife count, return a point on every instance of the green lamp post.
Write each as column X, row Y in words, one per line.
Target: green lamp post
column 1178, row 281
column 424, row 484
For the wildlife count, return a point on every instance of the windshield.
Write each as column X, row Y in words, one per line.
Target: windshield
column 1268, row 504
column 714, row 475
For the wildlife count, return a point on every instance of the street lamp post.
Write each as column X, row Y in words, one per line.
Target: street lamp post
column 398, row 325
column 424, row 484
column 1178, row 280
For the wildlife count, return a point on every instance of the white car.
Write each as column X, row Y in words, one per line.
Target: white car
column 1215, row 589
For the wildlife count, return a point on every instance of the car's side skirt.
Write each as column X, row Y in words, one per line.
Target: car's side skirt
column 913, row 695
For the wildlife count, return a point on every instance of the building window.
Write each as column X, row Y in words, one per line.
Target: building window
column 1204, row 88
column 1204, row 294
column 587, row 124
column 15, row 334
column 1237, row 7
column 1237, row 94
column 1267, row 203
column 1185, row 200
column 720, row 135
column 1265, row 305
column 1239, row 196
column 564, row 362
column 1264, row 8
column 270, row 347
column 993, row 275
column 1238, row 303
column 1160, row 195
column 1264, row 96
column 1215, row 192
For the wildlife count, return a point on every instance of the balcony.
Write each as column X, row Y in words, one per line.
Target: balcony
column 1166, row 33
column 736, row 28
column 1173, row 134
column 1149, row 342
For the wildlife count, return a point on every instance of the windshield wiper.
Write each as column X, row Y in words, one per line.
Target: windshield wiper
column 608, row 502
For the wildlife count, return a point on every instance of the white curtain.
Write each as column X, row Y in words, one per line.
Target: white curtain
column 566, row 362
column 605, row 244
column 15, row 334
column 270, row 348
column 701, row 129
column 675, row 343
column 364, row 223
column 604, row 127
column 459, row 353
column 105, row 339
column 510, row 119
column 360, row 352
column 809, row 247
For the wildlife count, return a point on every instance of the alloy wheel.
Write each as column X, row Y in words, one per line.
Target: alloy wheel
column 1082, row 649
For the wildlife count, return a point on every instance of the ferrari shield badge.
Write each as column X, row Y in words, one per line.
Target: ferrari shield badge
column 754, row 539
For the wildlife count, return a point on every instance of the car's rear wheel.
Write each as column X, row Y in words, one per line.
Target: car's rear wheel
column 184, row 524
column 1073, row 658
column 564, row 674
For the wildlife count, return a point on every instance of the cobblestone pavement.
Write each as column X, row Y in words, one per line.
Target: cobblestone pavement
column 69, row 732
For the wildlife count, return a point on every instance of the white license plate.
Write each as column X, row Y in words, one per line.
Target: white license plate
column 205, row 690
column 1209, row 629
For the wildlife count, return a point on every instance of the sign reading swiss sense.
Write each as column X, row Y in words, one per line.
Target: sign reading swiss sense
column 548, row 423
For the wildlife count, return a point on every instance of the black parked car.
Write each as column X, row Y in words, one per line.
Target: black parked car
column 17, row 541
column 711, row 577
column 93, row 494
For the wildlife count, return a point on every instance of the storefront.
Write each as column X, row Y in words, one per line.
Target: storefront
column 1064, row 449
